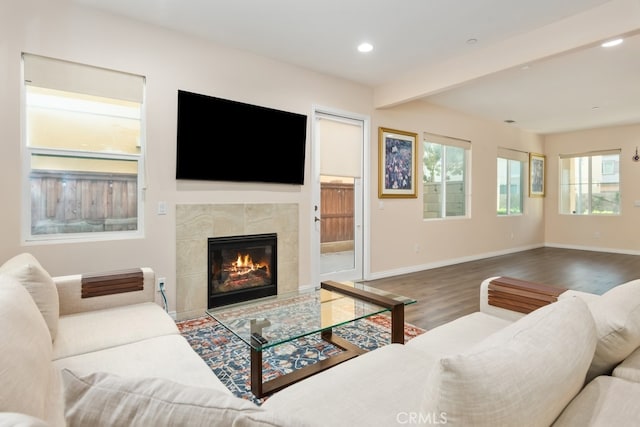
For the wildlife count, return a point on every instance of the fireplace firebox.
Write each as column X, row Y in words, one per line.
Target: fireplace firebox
column 241, row 268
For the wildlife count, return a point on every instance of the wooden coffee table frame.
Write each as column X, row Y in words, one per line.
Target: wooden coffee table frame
column 261, row 389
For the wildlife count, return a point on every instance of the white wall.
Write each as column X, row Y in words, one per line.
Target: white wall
column 620, row 233
column 170, row 61
column 397, row 225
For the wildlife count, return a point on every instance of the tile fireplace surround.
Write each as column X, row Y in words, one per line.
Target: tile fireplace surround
column 196, row 223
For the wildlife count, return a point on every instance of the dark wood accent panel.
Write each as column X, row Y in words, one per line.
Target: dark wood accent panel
column 94, row 285
column 522, row 296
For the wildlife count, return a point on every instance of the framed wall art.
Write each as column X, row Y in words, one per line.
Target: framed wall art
column 397, row 163
column 536, row 175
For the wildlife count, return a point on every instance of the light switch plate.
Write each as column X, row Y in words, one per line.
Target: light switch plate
column 162, row 208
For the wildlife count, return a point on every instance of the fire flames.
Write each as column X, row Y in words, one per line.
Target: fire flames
column 241, row 272
column 244, row 264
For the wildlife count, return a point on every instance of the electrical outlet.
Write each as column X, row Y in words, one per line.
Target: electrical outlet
column 161, row 284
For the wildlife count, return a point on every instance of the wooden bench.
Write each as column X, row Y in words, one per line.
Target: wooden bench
column 521, row 295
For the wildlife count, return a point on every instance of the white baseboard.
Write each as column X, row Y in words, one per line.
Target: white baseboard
column 593, row 248
column 453, row 261
column 445, row 263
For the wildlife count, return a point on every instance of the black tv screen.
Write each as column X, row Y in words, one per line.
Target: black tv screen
column 223, row 140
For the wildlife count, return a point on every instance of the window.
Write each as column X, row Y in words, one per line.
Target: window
column 511, row 173
column 590, row 183
column 444, row 178
column 83, row 157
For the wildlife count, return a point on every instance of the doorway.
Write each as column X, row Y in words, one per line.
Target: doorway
column 340, row 147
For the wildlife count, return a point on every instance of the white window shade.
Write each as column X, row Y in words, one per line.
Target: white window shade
column 447, row 140
column 592, row 153
column 340, row 148
column 511, row 154
column 67, row 76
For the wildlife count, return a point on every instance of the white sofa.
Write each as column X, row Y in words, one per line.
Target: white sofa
column 119, row 360
column 495, row 367
column 68, row 360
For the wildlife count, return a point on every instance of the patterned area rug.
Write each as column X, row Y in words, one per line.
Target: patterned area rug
column 228, row 356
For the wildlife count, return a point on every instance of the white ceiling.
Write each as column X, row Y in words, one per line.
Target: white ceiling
column 421, row 50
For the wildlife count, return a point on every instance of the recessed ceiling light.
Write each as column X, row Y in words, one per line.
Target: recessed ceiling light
column 365, row 47
column 612, row 43
column 509, row 121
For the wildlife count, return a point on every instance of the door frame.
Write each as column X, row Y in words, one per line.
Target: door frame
column 315, row 188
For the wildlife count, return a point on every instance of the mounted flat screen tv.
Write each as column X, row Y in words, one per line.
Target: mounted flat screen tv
column 223, row 140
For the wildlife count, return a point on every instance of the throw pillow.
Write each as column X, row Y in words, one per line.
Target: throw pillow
column 527, row 372
column 617, row 317
column 28, row 380
column 28, row 271
column 108, row 400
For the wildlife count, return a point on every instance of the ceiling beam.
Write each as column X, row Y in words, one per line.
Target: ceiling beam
column 612, row 19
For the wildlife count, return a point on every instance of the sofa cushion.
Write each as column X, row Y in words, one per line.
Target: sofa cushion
column 530, row 370
column 458, row 335
column 380, row 388
column 28, row 271
column 85, row 332
column 29, row 383
column 605, row 401
column 168, row 356
column 102, row 399
column 617, row 317
column 629, row 369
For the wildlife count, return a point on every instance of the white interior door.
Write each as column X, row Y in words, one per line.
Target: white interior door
column 339, row 173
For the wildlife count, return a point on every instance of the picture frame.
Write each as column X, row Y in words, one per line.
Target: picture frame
column 397, row 163
column 536, row 174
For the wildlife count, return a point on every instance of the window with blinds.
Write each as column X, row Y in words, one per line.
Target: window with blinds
column 84, row 150
column 590, row 183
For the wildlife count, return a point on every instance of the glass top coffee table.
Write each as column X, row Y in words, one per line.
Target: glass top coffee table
column 268, row 322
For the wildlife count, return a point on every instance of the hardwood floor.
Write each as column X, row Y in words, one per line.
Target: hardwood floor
column 447, row 293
